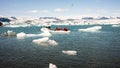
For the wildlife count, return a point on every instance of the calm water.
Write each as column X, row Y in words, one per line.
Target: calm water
column 95, row 49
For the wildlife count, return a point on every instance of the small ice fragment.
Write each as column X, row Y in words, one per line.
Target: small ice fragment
column 91, row 29
column 52, row 42
column 52, row 65
column 46, row 34
column 10, row 33
column 21, row 35
column 70, row 52
column 41, row 40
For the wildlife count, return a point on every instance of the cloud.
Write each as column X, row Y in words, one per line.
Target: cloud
column 116, row 12
column 101, row 11
column 44, row 11
column 88, row 10
column 60, row 10
column 38, row 11
column 34, row 11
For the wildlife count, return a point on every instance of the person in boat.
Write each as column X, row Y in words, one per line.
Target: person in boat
column 65, row 29
column 57, row 29
column 48, row 27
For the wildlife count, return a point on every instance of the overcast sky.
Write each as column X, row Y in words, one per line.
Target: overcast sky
column 55, row 8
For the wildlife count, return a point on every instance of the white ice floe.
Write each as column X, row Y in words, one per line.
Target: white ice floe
column 46, row 34
column 41, row 40
column 60, row 32
column 9, row 33
column 116, row 25
column 21, row 35
column 32, row 35
column 70, row 52
column 12, row 26
column 52, row 42
column 45, row 41
column 16, row 26
column 44, row 30
column 91, row 29
column 52, row 65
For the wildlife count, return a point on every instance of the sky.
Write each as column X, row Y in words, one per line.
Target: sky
column 59, row 8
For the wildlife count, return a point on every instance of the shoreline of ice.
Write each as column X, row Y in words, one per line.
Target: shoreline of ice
column 26, row 22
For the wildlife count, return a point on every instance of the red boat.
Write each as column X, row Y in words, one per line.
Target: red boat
column 56, row 30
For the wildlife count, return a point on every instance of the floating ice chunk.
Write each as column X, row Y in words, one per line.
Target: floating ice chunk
column 70, row 52
column 45, row 41
column 46, row 34
column 52, row 65
column 12, row 26
column 44, row 29
column 9, row 33
column 60, row 32
column 52, row 42
column 16, row 26
column 21, row 35
column 41, row 40
column 91, row 29
column 32, row 35
column 116, row 25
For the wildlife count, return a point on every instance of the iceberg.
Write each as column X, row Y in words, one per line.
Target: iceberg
column 52, row 65
column 91, row 29
column 52, row 42
column 45, row 41
column 41, row 40
column 70, row 52
column 9, row 33
column 116, row 25
column 46, row 34
column 32, row 35
column 16, row 26
column 44, row 30
column 21, row 35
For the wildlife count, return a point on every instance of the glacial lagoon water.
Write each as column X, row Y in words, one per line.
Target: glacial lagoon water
column 94, row 49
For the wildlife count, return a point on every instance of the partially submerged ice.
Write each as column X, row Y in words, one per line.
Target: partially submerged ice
column 51, row 65
column 9, row 33
column 21, row 35
column 91, row 29
column 45, row 41
column 70, row 52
